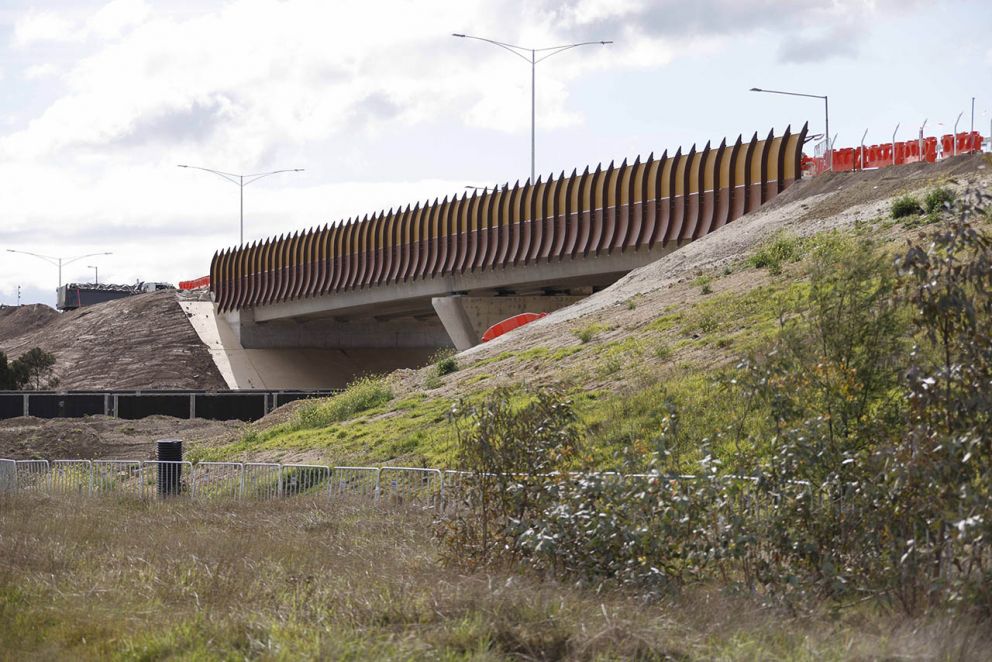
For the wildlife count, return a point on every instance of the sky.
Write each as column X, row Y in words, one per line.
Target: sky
column 382, row 107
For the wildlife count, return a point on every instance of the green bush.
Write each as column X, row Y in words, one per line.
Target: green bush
column 781, row 249
column 361, row 395
column 446, row 365
column 587, row 333
column 905, row 206
column 937, row 199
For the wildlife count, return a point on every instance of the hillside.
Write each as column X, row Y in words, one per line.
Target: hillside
column 661, row 334
column 144, row 341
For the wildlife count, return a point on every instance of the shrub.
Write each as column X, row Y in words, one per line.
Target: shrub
column 361, row 395
column 446, row 365
column 587, row 333
column 781, row 249
column 937, row 199
column 905, row 206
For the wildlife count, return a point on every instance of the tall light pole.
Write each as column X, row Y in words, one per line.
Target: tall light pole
column 57, row 261
column 521, row 51
column 826, row 117
column 239, row 180
column 96, row 274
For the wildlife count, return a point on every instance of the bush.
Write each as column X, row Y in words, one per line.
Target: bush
column 938, row 199
column 446, row 365
column 781, row 249
column 587, row 333
column 361, row 395
column 905, row 206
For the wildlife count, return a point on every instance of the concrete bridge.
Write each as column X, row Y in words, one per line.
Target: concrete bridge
column 409, row 281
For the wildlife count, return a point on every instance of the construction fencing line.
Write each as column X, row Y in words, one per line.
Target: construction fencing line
column 426, row 487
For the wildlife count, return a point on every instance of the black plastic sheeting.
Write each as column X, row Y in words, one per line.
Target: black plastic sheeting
column 212, row 405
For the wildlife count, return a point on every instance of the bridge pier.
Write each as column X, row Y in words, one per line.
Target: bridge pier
column 466, row 318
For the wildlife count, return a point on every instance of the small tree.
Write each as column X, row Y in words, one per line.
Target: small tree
column 34, row 369
column 10, row 379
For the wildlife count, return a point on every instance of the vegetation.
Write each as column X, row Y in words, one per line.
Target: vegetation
column 31, row 370
column 905, row 206
column 588, row 332
column 122, row 580
column 938, row 199
column 361, row 395
column 862, row 429
column 782, row 249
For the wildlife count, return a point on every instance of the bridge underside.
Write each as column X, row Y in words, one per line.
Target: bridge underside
column 433, row 276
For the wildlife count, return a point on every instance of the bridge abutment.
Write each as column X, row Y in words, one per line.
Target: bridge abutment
column 466, row 318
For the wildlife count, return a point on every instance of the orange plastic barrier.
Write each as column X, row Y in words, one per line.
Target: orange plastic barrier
column 849, row 159
column 203, row 281
column 509, row 324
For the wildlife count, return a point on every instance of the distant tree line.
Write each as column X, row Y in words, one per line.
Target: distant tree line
column 31, row 370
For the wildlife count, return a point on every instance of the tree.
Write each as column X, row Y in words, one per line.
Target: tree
column 9, row 377
column 34, row 368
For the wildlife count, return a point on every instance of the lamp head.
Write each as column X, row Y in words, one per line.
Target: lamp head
column 757, row 89
column 457, row 34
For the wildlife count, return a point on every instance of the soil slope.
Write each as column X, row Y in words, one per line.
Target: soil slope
column 139, row 342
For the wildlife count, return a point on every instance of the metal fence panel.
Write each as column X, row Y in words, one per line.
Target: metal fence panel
column 8, row 476
column 166, row 478
column 359, row 481
column 33, row 476
column 309, row 479
column 262, row 480
column 117, row 477
column 411, row 485
column 72, row 477
column 219, row 480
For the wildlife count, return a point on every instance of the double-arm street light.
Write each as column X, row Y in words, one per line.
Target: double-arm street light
column 826, row 119
column 241, row 181
column 533, row 60
column 58, row 261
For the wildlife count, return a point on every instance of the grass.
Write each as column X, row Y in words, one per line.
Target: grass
column 781, row 249
column 300, row 579
column 904, row 206
column 588, row 332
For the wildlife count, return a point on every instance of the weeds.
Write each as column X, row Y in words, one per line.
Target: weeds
column 905, row 206
column 587, row 333
column 938, row 200
column 361, row 395
column 781, row 249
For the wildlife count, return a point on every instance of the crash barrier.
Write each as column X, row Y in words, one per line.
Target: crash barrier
column 194, row 284
column 220, row 480
column 660, row 201
column 930, row 149
column 212, row 405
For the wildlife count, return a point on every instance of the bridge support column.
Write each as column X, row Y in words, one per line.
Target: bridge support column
column 466, row 318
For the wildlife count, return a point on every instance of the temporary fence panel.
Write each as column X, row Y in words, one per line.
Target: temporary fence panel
column 33, row 476
column 363, row 481
column 117, row 477
column 410, row 485
column 166, row 478
column 262, row 480
column 72, row 477
column 8, row 476
column 308, row 479
column 219, row 479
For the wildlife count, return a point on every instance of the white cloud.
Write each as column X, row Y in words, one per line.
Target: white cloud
column 39, row 71
column 41, row 26
column 116, row 17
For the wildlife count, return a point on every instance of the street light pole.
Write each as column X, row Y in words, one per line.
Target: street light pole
column 57, row 261
column 238, row 180
column 96, row 274
column 826, row 117
column 520, row 51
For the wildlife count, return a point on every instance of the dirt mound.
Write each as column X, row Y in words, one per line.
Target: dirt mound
column 140, row 342
column 104, row 438
column 18, row 320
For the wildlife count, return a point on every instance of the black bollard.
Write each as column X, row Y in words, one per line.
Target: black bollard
column 170, row 475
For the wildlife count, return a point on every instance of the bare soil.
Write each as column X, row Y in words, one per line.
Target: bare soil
column 104, row 438
column 140, row 342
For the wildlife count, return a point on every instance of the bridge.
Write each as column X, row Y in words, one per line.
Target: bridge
column 437, row 274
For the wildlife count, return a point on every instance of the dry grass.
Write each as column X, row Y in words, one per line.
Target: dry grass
column 302, row 579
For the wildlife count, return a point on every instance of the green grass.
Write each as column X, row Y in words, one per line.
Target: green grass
column 778, row 251
column 589, row 332
column 904, row 206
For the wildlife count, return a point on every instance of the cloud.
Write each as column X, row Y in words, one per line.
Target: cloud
column 39, row 71
column 42, row 26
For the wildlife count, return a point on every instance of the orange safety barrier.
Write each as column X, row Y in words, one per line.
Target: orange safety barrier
column 509, row 324
column 196, row 284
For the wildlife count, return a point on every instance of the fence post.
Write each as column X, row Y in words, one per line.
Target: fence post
column 27, row 406
column 192, row 406
column 116, row 410
column 378, row 483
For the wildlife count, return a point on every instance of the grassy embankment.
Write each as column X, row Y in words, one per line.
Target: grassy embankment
column 623, row 378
